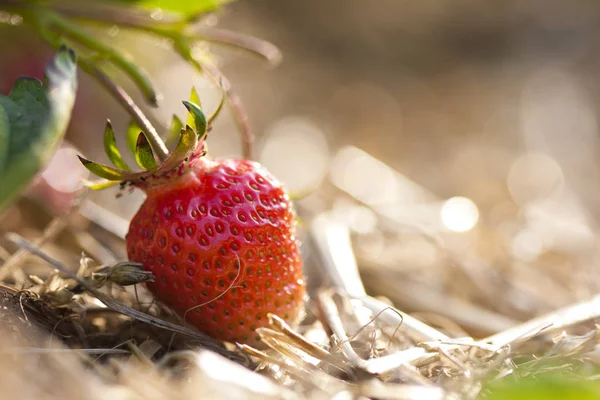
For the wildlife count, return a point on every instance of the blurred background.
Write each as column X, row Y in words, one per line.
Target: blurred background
column 459, row 140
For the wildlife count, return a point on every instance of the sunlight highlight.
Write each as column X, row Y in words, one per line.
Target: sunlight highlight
column 459, row 214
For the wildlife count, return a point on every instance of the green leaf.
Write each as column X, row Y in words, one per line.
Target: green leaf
column 103, row 171
column 194, row 98
column 131, row 136
column 100, row 185
column 143, row 153
column 185, row 7
column 38, row 116
column 112, row 151
column 199, row 117
column 188, row 141
column 175, row 131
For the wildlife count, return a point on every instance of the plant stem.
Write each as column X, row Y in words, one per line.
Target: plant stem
column 181, row 43
column 256, row 46
column 157, row 144
column 75, row 32
column 170, row 29
column 42, row 21
column 235, row 102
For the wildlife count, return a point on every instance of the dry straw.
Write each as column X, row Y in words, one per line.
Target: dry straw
column 73, row 332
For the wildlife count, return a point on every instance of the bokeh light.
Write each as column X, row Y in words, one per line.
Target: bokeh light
column 459, row 214
column 296, row 152
column 533, row 177
column 65, row 173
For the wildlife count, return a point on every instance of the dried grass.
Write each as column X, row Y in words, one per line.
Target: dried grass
column 67, row 334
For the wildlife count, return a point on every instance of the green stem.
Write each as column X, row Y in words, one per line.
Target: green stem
column 256, row 46
column 156, row 143
column 181, row 43
column 42, row 22
column 80, row 35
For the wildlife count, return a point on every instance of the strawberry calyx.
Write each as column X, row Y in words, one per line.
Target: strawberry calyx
column 191, row 146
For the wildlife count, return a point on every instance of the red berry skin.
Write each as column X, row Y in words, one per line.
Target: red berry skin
column 220, row 243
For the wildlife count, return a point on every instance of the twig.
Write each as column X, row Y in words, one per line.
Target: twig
column 118, row 306
column 559, row 319
column 328, row 310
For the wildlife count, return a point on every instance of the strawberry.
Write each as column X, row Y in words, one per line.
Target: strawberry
column 218, row 235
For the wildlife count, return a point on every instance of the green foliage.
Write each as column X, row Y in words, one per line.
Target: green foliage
column 200, row 124
column 546, row 386
column 186, row 7
column 103, row 171
column 33, row 120
column 188, row 141
column 194, row 98
column 131, row 136
column 112, row 151
column 143, row 153
column 174, row 132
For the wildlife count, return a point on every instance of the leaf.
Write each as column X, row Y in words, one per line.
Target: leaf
column 175, row 131
column 100, row 185
column 194, row 98
column 112, row 151
column 199, row 117
column 103, row 171
column 143, row 153
column 38, row 116
column 188, row 141
column 187, row 8
column 131, row 136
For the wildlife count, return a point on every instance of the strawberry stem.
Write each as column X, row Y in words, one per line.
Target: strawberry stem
column 158, row 146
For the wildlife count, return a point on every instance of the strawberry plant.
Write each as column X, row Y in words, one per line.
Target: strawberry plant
column 33, row 118
column 64, row 23
column 218, row 235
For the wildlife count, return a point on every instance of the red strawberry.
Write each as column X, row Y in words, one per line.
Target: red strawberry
column 219, row 237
